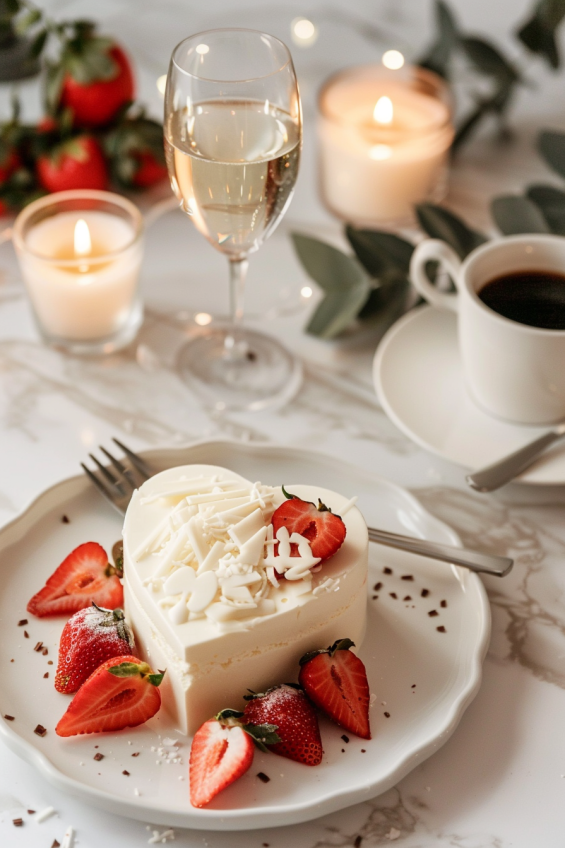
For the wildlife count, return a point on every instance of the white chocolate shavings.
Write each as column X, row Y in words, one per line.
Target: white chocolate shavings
column 214, row 552
column 68, row 838
column 328, row 585
column 45, row 814
column 157, row 837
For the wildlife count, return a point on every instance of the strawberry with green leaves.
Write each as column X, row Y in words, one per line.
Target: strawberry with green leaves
column 92, row 77
column 287, row 707
column 122, row 692
column 83, row 578
column 90, row 637
column 222, row 751
column 134, row 148
column 336, row 681
column 76, row 163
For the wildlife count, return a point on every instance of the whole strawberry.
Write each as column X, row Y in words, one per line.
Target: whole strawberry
column 75, row 164
column 90, row 637
column 288, row 708
column 336, row 680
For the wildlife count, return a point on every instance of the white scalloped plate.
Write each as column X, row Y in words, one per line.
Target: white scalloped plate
column 402, row 648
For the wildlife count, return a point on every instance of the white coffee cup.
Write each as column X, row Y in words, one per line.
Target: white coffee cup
column 514, row 371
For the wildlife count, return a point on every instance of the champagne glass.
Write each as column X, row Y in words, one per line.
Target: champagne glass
column 233, row 134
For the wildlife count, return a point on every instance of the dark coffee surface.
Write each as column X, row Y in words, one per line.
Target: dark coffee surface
column 536, row 298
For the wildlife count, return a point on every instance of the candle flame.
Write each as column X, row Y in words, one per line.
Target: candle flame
column 383, row 111
column 83, row 242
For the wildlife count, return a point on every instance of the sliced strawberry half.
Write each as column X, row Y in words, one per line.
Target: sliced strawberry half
column 84, row 577
column 122, row 692
column 336, row 681
column 222, row 750
column 90, row 636
column 288, row 708
column 324, row 530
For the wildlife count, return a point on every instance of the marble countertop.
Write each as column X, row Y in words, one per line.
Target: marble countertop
column 500, row 780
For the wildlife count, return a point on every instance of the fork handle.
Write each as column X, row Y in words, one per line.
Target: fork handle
column 473, row 560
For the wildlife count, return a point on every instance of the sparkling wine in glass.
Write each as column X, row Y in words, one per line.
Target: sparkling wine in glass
column 233, row 133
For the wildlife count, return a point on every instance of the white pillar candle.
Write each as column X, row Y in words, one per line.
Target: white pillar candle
column 384, row 139
column 80, row 255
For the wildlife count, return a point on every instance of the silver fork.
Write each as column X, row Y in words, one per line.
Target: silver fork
column 118, row 483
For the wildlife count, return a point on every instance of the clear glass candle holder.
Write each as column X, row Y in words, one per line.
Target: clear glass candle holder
column 384, row 138
column 80, row 254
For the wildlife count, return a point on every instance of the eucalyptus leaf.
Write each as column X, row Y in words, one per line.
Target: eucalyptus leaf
column 437, row 222
column 514, row 215
column 552, row 147
column 386, row 303
column 488, row 59
column 551, row 202
column 338, row 310
column 380, row 251
column 439, row 55
column 333, row 270
column 13, row 7
column 538, row 33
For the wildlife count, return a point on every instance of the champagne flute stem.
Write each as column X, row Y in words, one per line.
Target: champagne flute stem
column 238, row 274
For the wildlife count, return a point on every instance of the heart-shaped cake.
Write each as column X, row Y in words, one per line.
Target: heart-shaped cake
column 228, row 598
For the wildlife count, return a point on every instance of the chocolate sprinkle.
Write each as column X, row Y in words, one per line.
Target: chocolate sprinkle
column 65, row 519
column 263, row 777
column 40, row 730
column 363, row 751
column 126, row 773
column 45, row 652
column 441, row 629
column 9, row 718
column 46, row 675
column 49, row 662
column 98, row 757
column 393, row 595
column 39, row 646
column 407, row 577
column 26, row 634
column 443, row 604
column 345, row 738
column 375, row 598
column 56, row 844
column 387, row 715
column 17, row 822
column 387, row 570
column 413, row 686
column 376, row 588
column 407, row 598
column 136, row 754
column 31, row 812
column 343, row 750
column 424, row 593
column 358, row 841
column 22, row 621
column 432, row 613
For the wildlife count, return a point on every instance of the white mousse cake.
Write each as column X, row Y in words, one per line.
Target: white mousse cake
column 203, row 591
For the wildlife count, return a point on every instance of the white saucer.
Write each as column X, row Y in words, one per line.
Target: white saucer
column 423, row 679
column 418, row 376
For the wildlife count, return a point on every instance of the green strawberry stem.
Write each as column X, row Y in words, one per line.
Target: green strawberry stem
column 129, row 669
column 262, row 734
column 338, row 645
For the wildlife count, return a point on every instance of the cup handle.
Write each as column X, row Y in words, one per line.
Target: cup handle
column 435, row 250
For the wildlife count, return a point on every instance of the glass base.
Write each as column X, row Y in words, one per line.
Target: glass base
column 102, row 346
column 236, row 369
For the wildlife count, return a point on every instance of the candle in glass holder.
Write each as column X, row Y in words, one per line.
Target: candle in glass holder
column 80, row 254
column 384, row 139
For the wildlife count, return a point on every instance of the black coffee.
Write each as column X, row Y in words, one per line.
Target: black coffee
column 536, row 298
